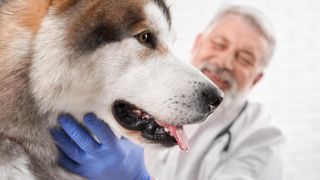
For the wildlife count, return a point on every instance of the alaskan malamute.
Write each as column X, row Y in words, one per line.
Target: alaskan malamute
column 110, row 57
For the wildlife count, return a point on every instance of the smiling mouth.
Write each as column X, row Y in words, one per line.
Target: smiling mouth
column 133, row 118
column 223, row 84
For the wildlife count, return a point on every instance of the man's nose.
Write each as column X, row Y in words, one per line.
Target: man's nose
column 226, row 60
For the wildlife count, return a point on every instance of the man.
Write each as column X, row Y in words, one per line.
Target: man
column 236, row 142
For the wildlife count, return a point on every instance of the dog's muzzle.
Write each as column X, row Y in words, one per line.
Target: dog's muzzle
column 131, row 117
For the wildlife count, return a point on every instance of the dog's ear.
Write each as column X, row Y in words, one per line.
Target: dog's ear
column 62, row 5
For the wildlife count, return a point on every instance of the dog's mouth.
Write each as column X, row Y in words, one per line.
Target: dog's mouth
column 134, row 118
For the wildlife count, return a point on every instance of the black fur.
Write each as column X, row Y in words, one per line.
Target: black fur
column 91, row 36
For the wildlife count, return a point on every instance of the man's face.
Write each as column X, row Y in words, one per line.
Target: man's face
column 230, row 54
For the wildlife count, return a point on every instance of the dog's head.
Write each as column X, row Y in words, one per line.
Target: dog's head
column 114, row 58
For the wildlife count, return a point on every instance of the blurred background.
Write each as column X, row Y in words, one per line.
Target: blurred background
column 291, row 86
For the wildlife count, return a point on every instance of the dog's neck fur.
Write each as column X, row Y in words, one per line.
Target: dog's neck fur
column 19, row 115
column 21, row 121
column 19, row 112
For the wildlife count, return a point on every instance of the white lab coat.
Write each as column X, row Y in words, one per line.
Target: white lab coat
column 254, row 152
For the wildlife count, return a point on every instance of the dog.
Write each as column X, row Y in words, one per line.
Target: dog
column 110, row 57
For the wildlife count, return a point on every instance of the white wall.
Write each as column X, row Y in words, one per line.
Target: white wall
column 291, row 87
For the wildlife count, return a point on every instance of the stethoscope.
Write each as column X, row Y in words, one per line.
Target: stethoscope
column 226, row 130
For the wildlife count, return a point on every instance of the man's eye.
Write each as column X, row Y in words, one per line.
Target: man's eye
column 146, row 38
column 219, row 46
column 246, row 60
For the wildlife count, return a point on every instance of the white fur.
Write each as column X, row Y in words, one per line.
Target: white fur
column 16, row 170
column 160, row 24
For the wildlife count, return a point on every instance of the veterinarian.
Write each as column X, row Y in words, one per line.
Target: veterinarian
column 237, row 142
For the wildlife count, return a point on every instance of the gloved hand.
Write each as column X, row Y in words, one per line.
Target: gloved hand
column 109, row 159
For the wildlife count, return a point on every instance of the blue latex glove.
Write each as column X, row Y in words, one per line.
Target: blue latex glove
column 109, row 159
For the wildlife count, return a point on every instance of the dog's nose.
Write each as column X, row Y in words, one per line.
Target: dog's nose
column 212, row 97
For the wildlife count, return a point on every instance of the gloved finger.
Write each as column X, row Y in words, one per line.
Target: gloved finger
column 70, row 148
column 78, row 134
column 68, row 163
column 103, row 132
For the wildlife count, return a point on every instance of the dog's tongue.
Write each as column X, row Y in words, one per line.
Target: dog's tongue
column 179, row 134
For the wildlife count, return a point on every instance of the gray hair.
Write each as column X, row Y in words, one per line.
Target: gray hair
column 257, row 20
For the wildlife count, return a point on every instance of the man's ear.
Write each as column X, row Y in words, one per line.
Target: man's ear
column 198, row 41
column 62, row 5
column 257, row 79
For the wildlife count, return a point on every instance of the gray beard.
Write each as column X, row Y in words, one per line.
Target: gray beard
column 232, row 100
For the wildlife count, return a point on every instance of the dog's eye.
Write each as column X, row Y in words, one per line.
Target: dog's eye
column 147, row 38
